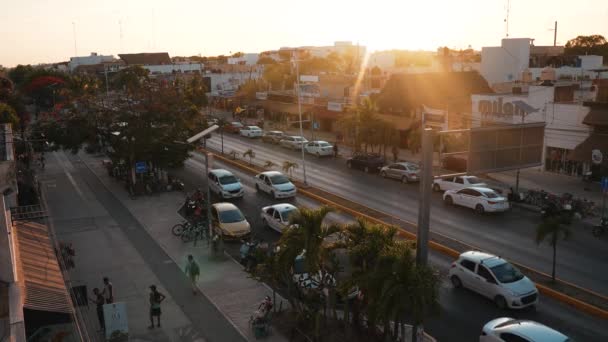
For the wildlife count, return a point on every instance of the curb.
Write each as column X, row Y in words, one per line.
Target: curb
column 578, row 304
column 166, row 252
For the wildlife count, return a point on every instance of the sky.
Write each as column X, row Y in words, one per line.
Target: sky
column 43, row 31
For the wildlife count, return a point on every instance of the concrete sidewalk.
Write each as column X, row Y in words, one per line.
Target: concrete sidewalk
column 223, row 281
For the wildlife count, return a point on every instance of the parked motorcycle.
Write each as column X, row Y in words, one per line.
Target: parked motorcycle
column 249, row 253
column 601, row 228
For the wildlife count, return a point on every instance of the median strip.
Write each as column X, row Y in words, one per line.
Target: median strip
column 574, row 295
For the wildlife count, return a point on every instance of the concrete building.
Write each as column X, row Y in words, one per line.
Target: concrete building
column 245, row 59
column 159, row 63
column 519, row 60
column 92, row 59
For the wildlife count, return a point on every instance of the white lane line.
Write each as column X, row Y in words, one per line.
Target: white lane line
column 70, row 178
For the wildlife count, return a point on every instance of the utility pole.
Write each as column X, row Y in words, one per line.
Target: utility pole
column 555, row 34
column 105, row 71
column 424, row 213
column 300, row 112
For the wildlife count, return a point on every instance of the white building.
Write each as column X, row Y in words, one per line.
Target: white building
column 157, row 69
column 93, row 59
column 245, row 59
column 560, row 107
column 231, row 81
column 516, row 59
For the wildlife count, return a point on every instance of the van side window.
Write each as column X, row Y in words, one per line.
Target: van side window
column 468, row 264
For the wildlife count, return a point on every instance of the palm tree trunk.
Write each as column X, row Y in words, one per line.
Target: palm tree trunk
column 554, row 257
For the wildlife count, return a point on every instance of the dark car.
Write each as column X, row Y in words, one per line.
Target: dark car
column 234, row 127
column 368, row 162
column 457, row 164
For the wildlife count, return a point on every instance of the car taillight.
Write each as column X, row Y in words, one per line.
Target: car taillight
column 453, row 265
column 492, row 202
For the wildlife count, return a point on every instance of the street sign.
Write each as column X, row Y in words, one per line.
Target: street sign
column 141, row 167
column 508, row 147
column 605, row 184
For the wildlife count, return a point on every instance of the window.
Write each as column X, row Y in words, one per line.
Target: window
column 509, row 337
column 228, row 179
column 473, row 180
column 277, row 215
column 270, row 211
column 467, row 192
column 279, row 179
column 474, row 193
column 490, row 194
column 214, row 214
column 267, row 180
column 506, row 273
column 459, row 180
column 231, row 216
column 468, row 264
column 484, row 273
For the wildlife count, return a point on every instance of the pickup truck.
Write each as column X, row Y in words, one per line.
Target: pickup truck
column 368, row 162
column 457, row 183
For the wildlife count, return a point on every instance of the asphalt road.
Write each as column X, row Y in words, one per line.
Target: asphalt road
column 510, row 235
column 463, row 313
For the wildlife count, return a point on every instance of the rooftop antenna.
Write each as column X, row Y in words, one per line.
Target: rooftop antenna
column 507, row 18
column 74, row 32
column 554, row 29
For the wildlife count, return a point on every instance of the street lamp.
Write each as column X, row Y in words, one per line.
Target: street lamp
column 300, row 112
column 190, row 141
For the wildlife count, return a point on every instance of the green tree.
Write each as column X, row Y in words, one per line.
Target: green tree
column 8, row 115
column 277, row 75
column 266, row 60
column 553, row 229
column 588, row 45
column 288, row 167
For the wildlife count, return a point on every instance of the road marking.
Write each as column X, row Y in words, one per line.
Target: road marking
column 168, row 261
column 71, row 179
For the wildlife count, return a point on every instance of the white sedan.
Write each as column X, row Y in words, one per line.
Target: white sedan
column 506, row 329
column 477, row 198
column 251, row 131
column 294, row 142
column 275, row 184
column 456, row 183
column 277, row 216
column 319, row 148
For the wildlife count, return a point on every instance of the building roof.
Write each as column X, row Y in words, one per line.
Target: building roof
column 153, row 58
column 43, row 283
column 597, row 117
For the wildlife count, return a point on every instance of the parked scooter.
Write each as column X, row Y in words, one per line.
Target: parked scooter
column 601, row 228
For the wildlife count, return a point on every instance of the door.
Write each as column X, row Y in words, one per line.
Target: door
column 458, row 183
column 213, row 183
column 267, row 184
column 399, row 171
column 276, row 221
column 466, row 272
column 267, row 215
column 463, row 198
column 447, row 184
column 391, row 171
column 487, row 283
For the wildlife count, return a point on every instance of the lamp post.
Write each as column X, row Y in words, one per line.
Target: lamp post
column 300, row 113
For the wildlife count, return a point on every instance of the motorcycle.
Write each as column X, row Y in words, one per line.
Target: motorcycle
column 249, row 251
column 601, row 228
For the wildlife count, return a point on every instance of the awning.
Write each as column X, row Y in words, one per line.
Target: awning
column 595, row 141
column 43, row 284
column 597, row 117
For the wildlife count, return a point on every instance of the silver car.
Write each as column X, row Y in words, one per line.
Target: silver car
column 293, row 142
column 405, row 171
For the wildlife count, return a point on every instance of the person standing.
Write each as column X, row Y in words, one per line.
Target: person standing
column 336, row 149
column 155, row 299
column 99, row 302
column 192, row 271
column 395, row 154
column 108, row 290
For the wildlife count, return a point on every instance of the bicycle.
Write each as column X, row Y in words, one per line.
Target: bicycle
column 195, row 232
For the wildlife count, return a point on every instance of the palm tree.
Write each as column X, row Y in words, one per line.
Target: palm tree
column 553, row 228
column 233, row 154
column 269, row 164
column 288, row 167
column 222, row 122
column 249, row 153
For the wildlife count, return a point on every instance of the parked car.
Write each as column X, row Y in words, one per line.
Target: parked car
column 225, row 184
column 228, row 220
column 275, row 183
column 293, row 142
column 368, row 162
column 319, row 148
column 494, row 278
column 251, row 131
column 506, row 329
column 457, row 183
column 277, row 216
column 273, row 137
column 233, row 127
column 456, row 164
column 405, row 171
column 480, row 199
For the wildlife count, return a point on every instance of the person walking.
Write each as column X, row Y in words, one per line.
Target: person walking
column 192, row 271
column 155, row 299
column 99, row 302
column 395, row 154
column 336, row 149
column 108, row 290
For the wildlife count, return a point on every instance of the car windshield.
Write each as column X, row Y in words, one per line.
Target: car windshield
column 474, row 180
column 490, row 194
column 279, row 179
column 229, row 179
column 287, row 214
column 231, row 216
column 324, row 144
column 506, row 273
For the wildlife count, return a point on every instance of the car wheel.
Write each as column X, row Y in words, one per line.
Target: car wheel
column 448, row 200
column 436, row 187
column 178, row 229
column 404, row 180
column 479, row 209
column 257, row 188
column 383, row 174
column 500, row 302
column 349, row 165
column 456, row 282
column 366, row 169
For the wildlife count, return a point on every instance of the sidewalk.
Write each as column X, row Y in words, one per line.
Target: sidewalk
column 223, row 281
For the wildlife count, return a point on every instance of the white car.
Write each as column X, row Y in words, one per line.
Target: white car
column 507, row 329
column 457, row 183
column 277, row 216
column 319, row 148
column 405, row 171
column 494, row 278
column 275, row 184
column 251, row 131
column 480, row 199
column 293, row 142
column 225, row 184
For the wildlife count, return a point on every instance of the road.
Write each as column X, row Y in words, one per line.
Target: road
column 463, row 312
column 510, row 235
